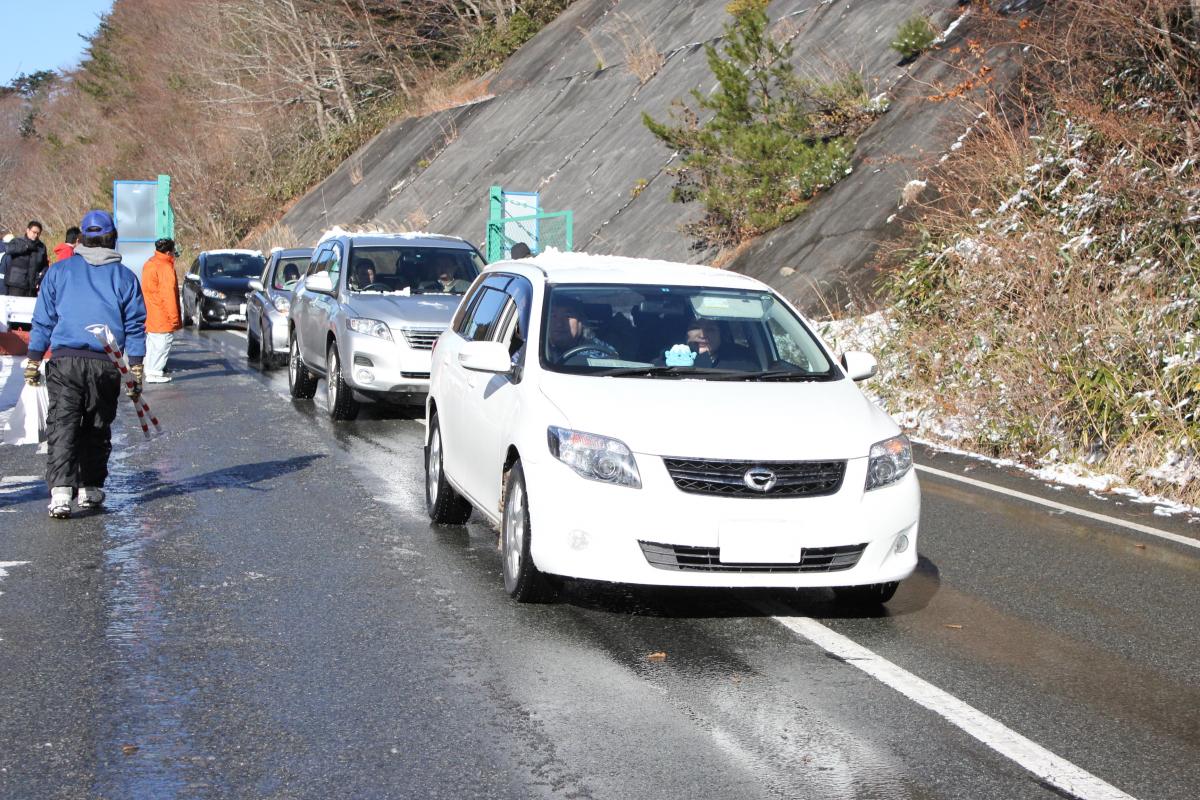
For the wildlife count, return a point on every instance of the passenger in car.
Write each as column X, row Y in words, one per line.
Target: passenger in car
column 448, row 282
column 569, row 335
column 705, row 339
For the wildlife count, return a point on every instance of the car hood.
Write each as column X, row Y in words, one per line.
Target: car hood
column 723, row 419
column 224, row 284
column 432, row 311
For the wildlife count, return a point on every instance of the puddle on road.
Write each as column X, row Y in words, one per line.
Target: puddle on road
column 143, row 746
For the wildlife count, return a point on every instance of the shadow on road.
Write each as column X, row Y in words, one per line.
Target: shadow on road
column 242, row 476
column 654, row 601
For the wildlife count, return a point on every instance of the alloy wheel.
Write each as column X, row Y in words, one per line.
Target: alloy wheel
column 514, row 531
column 433, row 471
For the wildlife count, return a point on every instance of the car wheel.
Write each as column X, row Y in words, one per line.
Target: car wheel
column 342, row 404
column 444, row 504
column 872, row 594
column 198, row 316
column 253, row 349
column 524, row 582
column 187, row 318
column 301, row 383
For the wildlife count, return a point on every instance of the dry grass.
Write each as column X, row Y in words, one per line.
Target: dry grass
column 1049, row 302
column 640, row 55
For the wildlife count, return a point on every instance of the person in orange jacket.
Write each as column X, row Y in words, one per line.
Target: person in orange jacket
column 161, row 290
column 67, row 249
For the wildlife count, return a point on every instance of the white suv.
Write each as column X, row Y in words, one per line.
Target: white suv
column 644, row 422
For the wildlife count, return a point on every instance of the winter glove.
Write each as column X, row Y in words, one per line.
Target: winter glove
column 137, row 373
column 32, row 376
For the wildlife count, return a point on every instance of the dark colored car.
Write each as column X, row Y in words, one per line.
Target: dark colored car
column 268, row 304
column 215, row 288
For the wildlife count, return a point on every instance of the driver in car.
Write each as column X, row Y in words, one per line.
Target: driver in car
column 569, row 336
column 364, row 272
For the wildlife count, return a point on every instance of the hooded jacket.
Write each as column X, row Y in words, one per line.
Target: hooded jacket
column 161, row 290
column 63, row 251
column 26, row 263
column 92, row 287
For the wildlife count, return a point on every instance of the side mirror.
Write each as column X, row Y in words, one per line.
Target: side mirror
column 192, row 276
column 485, row 357
column 858, row 365
column 319, row 282
column 256, row 285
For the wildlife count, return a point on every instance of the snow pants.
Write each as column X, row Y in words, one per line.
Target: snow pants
column 83, row 403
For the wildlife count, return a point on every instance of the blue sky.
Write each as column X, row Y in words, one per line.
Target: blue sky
column 45, row 35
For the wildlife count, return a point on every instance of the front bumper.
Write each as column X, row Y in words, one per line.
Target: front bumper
column 275, row 330
column 384, row 369
column 587, row 529
column 221, row 312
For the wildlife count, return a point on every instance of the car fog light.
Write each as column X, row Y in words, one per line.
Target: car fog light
column 365, row 376
column 901, row 543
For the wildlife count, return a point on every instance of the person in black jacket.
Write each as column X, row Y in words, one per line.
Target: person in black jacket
column 26, row 263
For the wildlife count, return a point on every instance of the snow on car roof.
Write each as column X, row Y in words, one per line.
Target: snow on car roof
column 387, row 237
column 232, row 251
column 560, row 267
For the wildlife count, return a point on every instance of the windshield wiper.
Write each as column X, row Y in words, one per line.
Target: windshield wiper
column 785, row 375
column 655, row 372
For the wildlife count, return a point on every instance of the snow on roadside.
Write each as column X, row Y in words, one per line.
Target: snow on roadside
column 871, row 333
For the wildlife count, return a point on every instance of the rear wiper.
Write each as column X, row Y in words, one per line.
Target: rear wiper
column 654, row 372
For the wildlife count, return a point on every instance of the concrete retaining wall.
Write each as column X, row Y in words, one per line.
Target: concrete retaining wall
column 566, row 121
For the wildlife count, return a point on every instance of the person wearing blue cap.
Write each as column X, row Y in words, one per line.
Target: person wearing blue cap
column 90, row 288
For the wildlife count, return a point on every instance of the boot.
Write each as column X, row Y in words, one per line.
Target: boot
column 60, row 502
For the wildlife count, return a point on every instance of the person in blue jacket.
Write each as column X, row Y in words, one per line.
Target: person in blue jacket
column 90, row 288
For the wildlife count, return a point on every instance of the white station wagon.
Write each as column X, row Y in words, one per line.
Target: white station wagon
column 654, row 423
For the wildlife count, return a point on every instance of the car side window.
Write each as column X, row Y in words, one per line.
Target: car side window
column 486, row 315
column 195, row 270
column 466, row 310
column 319, row 263
column 335, row 264
column 265, row 279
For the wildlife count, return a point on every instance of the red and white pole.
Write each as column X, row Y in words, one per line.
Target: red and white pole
column 113, row 351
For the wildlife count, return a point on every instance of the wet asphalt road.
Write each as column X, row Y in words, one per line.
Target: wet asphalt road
column 264, row 612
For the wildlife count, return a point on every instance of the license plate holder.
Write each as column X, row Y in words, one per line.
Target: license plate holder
column 759, row 542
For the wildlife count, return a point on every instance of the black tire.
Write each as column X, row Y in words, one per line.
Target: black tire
column 253, row 349
column 301, row 383
column 868, row 596
column 444, row 504
column 198, row 316
column 523, row 581
column 342, row 405
column 187, row 318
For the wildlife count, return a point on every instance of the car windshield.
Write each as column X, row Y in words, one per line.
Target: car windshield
column 412, row 270
column 233, row 265
column 289, row 270
column 652, row 331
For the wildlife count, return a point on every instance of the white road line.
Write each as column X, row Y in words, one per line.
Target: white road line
column 1029, row 755
column 5, row 566
column 1133, row 526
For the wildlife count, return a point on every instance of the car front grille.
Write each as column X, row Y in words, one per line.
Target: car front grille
column 708, row 559
column 728, row 478
column 421, row 338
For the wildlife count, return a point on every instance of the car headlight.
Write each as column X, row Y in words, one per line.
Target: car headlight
column 596, row 458
column 371, row 327
column 213, row 293
column 282, row 305
column 890, row 461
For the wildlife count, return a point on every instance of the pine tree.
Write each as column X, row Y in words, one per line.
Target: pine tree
column 770, row 140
